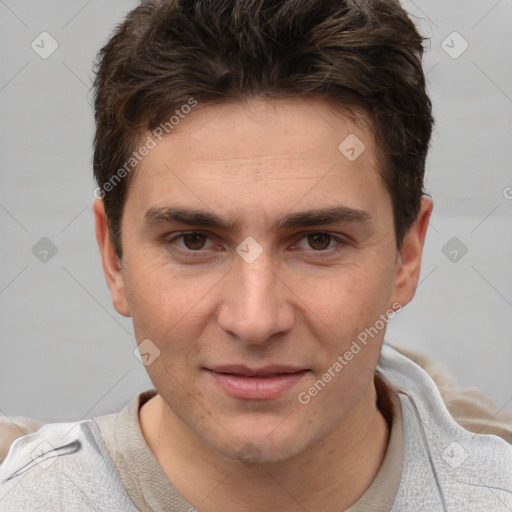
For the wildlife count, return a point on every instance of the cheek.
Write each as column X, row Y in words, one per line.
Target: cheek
column 156, row 298
column 349, row 298
column 170, row 308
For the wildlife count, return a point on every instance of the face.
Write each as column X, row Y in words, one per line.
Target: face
column 255, row 253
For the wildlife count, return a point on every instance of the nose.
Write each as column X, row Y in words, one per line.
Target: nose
column 256, row 302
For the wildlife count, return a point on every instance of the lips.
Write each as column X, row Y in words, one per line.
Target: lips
column 267, row 371
column 265, row 383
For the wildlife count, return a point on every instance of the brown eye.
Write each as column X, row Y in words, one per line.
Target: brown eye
column 319, row 241
column 194, row 241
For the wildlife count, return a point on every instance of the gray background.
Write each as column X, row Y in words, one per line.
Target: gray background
column 66, row 354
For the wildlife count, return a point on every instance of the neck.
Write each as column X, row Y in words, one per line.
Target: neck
column 331, row 475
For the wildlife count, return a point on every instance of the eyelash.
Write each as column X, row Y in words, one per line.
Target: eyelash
column 341, row 243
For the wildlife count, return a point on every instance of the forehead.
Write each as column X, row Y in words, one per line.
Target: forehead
column 261, row 152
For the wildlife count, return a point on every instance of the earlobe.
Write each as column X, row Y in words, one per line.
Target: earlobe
column 112, row 265
column 409, row 258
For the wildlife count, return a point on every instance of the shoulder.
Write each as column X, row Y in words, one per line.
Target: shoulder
column 13, row 428
column 443, row 460
column 469, row 407
column 61, row 466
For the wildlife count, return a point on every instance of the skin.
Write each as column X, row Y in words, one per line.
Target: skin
column 299, row 303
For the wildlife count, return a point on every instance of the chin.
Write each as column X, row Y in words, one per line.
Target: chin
column 255, row 446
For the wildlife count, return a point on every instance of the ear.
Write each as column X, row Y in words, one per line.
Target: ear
column 111, row 262
column 409, row 257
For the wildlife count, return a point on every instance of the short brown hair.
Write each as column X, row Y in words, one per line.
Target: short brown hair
column 359, row 54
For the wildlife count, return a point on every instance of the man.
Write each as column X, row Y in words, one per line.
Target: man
column 261, row 218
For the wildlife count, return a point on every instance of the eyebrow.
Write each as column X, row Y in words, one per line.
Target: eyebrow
column 204, row 218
